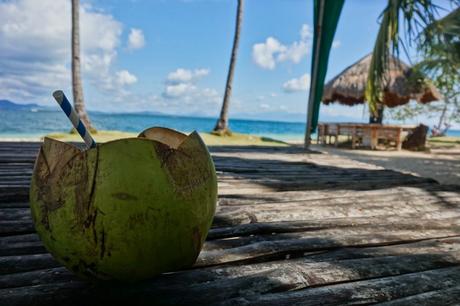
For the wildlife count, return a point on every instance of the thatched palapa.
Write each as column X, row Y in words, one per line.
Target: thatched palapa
column 350, row 85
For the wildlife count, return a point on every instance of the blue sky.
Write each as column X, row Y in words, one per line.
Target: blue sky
column 172, row 56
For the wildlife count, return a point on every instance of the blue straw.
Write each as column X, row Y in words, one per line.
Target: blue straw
column 74, row 118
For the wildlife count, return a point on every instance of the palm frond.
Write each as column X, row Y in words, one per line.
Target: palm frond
column 416, row 16
column 441, row 39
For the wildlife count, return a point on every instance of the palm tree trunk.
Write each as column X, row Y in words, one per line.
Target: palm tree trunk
column 443, row 114
column 222, row 122
column 377, row 117
column 77, row 88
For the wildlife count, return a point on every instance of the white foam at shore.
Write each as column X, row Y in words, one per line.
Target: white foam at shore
column 22, row 138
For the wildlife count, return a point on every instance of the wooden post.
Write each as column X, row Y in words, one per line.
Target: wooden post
column 337, row 133
column 353, row 138
column 311, row 98
column 374, row 139
column 326, row 132
column 398, row 139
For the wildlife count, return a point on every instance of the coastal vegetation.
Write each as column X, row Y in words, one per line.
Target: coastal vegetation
column 407, row 23
column 440, row 47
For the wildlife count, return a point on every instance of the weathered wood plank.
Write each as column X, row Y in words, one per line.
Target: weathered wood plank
column 441, row 192
column 38, row 277
column 21, row 244
column 228, row 216
column 449, row 296
column 14, row 193
column 412, row 221
column 15, row 214
column 303, row 210
column 282, row 183
column 21, row 263
column 306, row 174
column 251, row 283
column 361, row 292
column 225, row 189
column 445, row 247
column 313, row 235
column 216, row 252
column 8, row 228
column 14, row 205
column 297, row 237
column 409, row 221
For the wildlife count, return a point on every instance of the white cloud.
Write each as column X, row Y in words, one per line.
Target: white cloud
column 306, row 32
column 266, row 55
column 263, row 54
column 181, row 89
column 266, row 96
column 124, row 77
column 264, row 106
column 300, row 84
column 181, row 75
column 294, row 53
column 188, row 93
column 136, row 39
column 336, row 43
column 35, row 49
column 178, row 90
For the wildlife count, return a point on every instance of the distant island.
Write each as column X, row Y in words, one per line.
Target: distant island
column 9, row 105
column 280, row 116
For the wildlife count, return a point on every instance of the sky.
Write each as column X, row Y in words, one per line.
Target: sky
column 172, row 56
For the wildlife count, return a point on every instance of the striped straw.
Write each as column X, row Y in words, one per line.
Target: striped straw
column 73, row 117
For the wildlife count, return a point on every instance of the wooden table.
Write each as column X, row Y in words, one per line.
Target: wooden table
column 291, row 228
column 363, row 134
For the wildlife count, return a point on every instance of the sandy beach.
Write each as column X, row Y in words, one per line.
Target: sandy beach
column 442, row 163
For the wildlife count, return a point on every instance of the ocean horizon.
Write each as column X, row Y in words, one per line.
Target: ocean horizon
column 26, row 124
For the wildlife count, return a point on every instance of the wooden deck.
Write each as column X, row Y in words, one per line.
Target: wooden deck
column 291, row 229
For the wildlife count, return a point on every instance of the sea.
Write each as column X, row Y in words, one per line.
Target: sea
column 26, row 124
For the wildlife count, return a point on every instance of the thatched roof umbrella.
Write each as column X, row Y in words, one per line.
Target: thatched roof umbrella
column 350, row 85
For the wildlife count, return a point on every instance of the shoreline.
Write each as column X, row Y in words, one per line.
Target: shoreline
column 236, row 139
column 290, row 139
column 287, row 138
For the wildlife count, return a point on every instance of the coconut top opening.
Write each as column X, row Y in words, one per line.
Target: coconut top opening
column 166, row 136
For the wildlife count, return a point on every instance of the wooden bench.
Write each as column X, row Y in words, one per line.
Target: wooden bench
column 291, row 228
column 362, row 135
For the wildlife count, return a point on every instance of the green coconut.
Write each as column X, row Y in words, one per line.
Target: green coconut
column 128, row 209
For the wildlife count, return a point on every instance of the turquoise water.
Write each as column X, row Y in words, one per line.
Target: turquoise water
column 27, row 124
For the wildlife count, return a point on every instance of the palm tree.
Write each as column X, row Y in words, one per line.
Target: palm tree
column 440, row 42
column 77, row 88
column 222, row 123
column 440, row 46
column 417, row 16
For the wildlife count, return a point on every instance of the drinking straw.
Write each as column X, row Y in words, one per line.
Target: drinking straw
column 74, row 118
